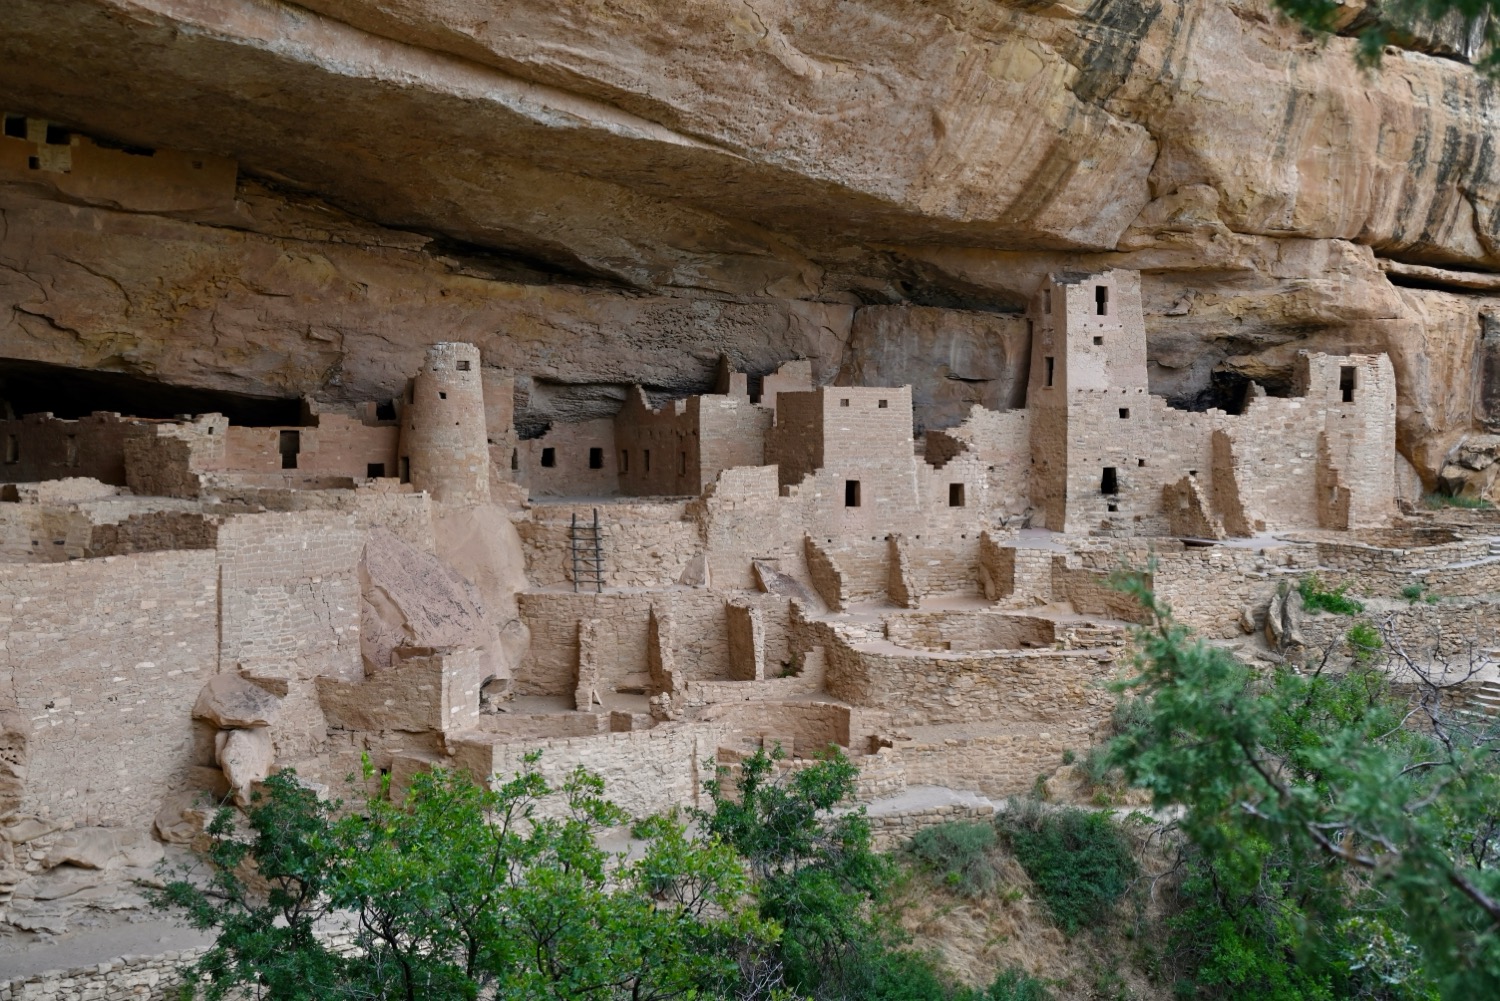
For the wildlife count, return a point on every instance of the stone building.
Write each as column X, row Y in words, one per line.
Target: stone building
column 187, row 604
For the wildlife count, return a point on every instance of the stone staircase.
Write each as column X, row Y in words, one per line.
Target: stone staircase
column 1485, row 701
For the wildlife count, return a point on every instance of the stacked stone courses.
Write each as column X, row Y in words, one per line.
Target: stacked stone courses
column 187, row 605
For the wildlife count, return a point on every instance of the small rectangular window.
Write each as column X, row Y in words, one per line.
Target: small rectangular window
column 1347, row 376
column 1140, row 463
column 289, row 444
column 463, row 364
column 57, row 135
column 645, row 460
column 442, row 395
column 1101, row 300
column 624, row 460
column 375, row 470
column 851, row 493
column 884, row 404
column 549, row 457
column 843, row 403
column 12, row 448
column 515, row 459
column 15, row 126
column 1108, row 483
column 596, row 458
column 1051, row 365
column 1047, row 301
column 955, row 495
column 681, row 463
column 1098, row 342
column 1124, row 413
column 404, row 465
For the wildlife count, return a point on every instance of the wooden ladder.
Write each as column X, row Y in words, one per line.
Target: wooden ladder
column 588, row 552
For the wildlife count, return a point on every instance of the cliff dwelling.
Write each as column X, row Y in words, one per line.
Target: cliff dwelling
column 383, row 385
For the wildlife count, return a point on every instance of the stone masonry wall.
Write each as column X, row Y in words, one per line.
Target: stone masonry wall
column 106, row 658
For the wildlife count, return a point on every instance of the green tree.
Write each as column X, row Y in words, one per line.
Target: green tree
column 460, row 889
column 1343, row 842
column 814, row 867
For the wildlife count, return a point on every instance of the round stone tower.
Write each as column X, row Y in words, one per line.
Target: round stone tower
column 444, row 448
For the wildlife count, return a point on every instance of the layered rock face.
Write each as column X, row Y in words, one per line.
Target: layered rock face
column 603, row 193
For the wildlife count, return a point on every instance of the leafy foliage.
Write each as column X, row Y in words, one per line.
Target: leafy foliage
column 460, row 891
column 1336, row 849
column 1317, row 598
column 959, row 852
column 1079, row 861
column 815, row 870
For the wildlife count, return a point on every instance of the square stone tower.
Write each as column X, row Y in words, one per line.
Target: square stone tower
column 1088, row 383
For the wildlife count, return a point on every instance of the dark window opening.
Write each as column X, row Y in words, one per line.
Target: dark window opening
column 1109, row 483
column 1051, row 364
column 1101, row 300
column 33, row 163
column 549, row 457
column 851, row 493
column 71, row 447
column 375, row 470
column 1113, row 506
column 624, row 460
column 645, row 460
column 1098, row 341
column 884, row 404
column 405, row 467
column 681, row 463
column 596, row 458
column 955, row 495
column 1047, row 301
column 515, row 459
column 1124, row 413
column 442, row 395
column 385, row 411
column 843, row 403
column 15, row 126
column 57, row 135
column 12, row 448
column 1141, row 463
column 289, row 443
column 463, row 364
column 1346, row 382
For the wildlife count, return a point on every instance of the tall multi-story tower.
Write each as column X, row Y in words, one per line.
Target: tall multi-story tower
column 444, row 447
column 1088, row 381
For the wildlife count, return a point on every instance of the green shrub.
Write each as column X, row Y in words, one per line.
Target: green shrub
column 1017, row 985
column 1449, row 500
column 1364, row 641
column 879, row 974
column 1079, row 861
column 1414, row 593
column 1316, row 598
column 959, row 852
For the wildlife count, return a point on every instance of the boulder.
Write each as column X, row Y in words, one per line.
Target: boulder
column 230, row 701
column 246, row 757
column 103, row 848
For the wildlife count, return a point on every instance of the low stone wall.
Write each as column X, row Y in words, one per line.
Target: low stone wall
column 130, row 978
column 997, row 765
column 891, row 831
column 1064, row 688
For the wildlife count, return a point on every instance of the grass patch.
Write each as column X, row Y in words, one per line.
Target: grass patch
column 959, row 853
column 1079, row 861
column 1317, row 598
column 1436, row 501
